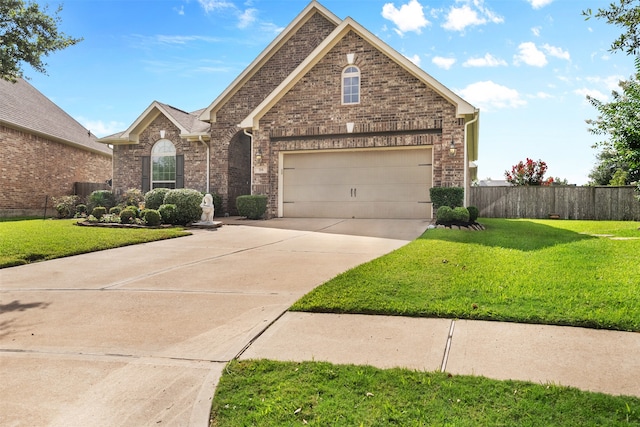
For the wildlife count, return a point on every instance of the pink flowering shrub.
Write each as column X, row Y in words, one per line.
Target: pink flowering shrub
column 528, row 173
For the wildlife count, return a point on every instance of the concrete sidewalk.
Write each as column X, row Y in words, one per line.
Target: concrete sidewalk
column 593, row 360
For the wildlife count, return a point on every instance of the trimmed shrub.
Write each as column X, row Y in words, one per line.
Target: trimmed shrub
column 155, row 198
column 444, row 215
column 104, row 198
column 81, row 209
column 115, row 210
column 99, row 211
column 252, row 207
column 473, row 213
column 132, row 197
column 65, row 205
column 151, row 217
column 128, row 216
column 460, row 215
column 187, row 204
column 447, row 196
column 168, row 214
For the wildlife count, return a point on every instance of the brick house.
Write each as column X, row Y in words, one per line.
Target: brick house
column 328, row 121
column 43, row 151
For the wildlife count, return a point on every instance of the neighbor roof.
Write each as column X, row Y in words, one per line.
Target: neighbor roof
column 23, row 107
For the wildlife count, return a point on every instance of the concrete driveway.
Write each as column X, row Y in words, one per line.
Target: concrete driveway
column 139, row 335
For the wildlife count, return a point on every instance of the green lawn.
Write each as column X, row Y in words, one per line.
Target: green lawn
column 32, row 240
column 268, row 393
column 531, row 271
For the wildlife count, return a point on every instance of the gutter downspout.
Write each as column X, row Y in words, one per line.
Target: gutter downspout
column 250, row 135
column 208, row 162
column 466, row 160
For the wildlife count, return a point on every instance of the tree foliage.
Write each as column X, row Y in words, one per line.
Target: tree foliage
column 608, row 164
column 625, row 14
column 619, row 119
column 27, row 33
column 528, row 172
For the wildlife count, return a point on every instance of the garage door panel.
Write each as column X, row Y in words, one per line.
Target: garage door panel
column 362, row 184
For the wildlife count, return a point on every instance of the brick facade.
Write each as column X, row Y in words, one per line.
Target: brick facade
column 396, row 109
column 254, row 91
column 33, row 168
column 127, row 159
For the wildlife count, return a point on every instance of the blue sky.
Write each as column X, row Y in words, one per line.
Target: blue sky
column 527, row 64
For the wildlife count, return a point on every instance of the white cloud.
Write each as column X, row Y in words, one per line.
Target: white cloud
column 536, row 31
column 100, row 128
column 530, row 55
column 247, row 18
column 179, row 11
column 491, row 96
column 556, row 52
column 594, row 93
column 542, row 95
column 213, row 5
column 611, row 83
column 442, row 62
column 537, row 4
column 459, row 18
column 410, row 16
column 487, row 60
column 415, row 59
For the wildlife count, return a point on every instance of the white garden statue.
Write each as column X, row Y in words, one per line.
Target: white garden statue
column 207, row 209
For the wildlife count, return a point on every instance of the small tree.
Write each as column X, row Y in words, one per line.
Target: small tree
column 528, row 172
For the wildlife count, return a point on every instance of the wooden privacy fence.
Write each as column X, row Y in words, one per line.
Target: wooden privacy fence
column 83, row 189
column 568, row 202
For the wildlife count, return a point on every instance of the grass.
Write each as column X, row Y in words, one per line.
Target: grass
column 529, row 271
column 25, row 241
column 268, row 393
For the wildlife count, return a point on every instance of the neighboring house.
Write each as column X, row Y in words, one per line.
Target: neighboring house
column 43, row 151
column 328, row 121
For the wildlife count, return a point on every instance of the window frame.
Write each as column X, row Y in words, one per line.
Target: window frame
column 155, row 155
column 350, row 72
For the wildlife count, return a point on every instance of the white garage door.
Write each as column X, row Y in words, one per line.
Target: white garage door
column 358, row 184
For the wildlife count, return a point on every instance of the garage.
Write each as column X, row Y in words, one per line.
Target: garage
column 364, row 183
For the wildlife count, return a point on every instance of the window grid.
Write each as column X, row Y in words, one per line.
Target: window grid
column 163, row 165
column 351, row 85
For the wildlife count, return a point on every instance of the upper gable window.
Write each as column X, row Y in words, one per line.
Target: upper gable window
column 351, row 85
column 163, row 165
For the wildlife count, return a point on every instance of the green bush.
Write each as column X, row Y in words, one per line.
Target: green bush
column 81, row 209
column 252, row 207
column 473, row 213
column 99, row 211
column 151, row 217
column 444, row 215
column 187, row 204
column 155, row 198
column 127, row 216
column 104, row 198
column 132, row 197
column 447, row 196
column 168, row 214
column 115, row 210
column 460, row 215
column 65, row 205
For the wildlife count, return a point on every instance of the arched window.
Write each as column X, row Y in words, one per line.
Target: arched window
column 163, row 165
column 351, row 85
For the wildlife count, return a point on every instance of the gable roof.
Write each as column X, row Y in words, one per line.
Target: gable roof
column 208, row 114
column 188, row 124
column 23, row 107
column 252, row 120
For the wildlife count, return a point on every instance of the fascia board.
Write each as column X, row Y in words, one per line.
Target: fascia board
column 149, row 115
column 208, row 115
